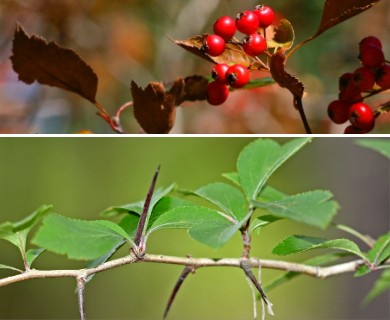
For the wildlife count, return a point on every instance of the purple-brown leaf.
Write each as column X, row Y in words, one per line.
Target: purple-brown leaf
column 154, row 108
column 34, row 59
column 336, row 11
column 282, row 77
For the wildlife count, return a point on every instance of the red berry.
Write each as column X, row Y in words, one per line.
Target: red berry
column 344, row 81
column 371, row 56
column 247, row 22
column 214, row 45
column 371, row 40
column 350, row 94
column 254, row 44
column 237, row 76
column 364, row 79
column 361, row 116
column 354, row 130
column 219, row 73
column 338, row 111
column 265, row 14
column 225, row 27
column 217, row 93
column 383, row 76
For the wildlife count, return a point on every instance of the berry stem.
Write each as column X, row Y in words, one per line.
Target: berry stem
column 384, row 108
column 298, row 104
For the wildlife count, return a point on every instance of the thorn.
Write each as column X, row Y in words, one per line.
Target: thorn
column 183, row 276
column 245, row 266
column 142, row 224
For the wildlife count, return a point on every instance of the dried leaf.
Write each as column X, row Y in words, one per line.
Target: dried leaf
column 232, row 54
column 336, row 11
column 34, row 59
column 282, row 77
column 194, row 89
column 283, row 35
column 154, row 108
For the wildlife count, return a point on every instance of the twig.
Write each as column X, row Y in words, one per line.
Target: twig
column 314, row 271
column 80, row 293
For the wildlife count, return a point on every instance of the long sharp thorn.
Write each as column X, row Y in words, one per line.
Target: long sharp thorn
column 142, row 220
column 251, row 276
column 187, row 270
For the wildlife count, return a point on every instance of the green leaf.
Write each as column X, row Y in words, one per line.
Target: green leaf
column 316, row 261
column 313, row 208
column 136, row 207
column 128, row 223
column 164, row 205
column 205, row 225
column 381, row 286
column 32, row 254
column 262, row 222
column 226, row 197
column 17, row 232
column 380, row 145
column 233, row 177
column 299, row 244
column 3, row 266
column 78, row 239
column 258, row 83
column 377, row 255
column 271, row 194
column 260, row 159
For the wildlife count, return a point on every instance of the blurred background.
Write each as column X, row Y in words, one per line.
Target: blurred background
column 128, row 40
column 82, row 177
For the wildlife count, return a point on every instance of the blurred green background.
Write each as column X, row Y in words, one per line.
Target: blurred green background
column 128, row 40
column 81, row 177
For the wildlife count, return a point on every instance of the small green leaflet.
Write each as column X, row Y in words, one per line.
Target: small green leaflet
column 136, row 207
column 299, row 244
column 205, row 225
column 79, row 239
column 313, row 208
column 228, row 198
column 381, row 286
column 3, row 266
column 260, row 159
column 377, row 255
column 17, row 232
column 380, row 145
column 262, row 221
column 32, row 254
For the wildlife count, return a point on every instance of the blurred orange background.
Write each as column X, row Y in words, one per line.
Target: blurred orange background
column 128, row 40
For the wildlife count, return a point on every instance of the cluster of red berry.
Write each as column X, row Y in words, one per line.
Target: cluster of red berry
column 249, row 23
column 374, row 74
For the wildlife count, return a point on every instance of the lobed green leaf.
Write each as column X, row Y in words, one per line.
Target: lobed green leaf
column 78, row 239
column 260, row 159
column 299, row 244
column 313, row 208
column 205, row 225
column 225, row 197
